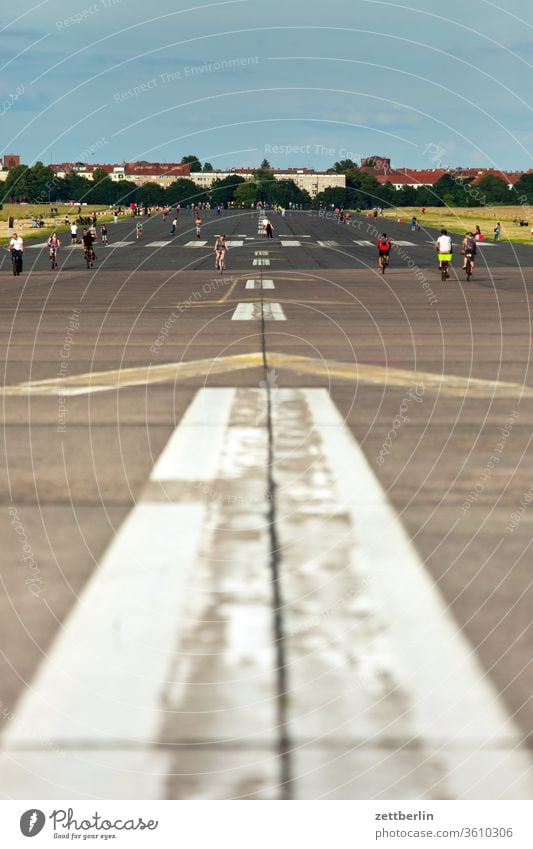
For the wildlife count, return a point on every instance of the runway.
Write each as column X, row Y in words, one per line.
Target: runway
column 266, row 533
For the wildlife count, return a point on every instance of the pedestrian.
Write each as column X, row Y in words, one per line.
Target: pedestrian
column 74, row 234
column 198, row 223
column 414, row 223
column 269, row 230
column 103, row 234
column 497, row 231
column 174, row 225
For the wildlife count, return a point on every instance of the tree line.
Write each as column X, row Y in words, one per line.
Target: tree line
column 39, row 184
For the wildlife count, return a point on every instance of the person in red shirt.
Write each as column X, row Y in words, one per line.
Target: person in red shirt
column 384, row 247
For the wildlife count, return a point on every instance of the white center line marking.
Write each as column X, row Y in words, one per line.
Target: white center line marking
column 256, row 284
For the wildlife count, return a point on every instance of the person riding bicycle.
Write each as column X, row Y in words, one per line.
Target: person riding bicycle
column 469, row 250
column 444, row 248
column 384, row 248
column 16, row 247
column 198, row 223
column 220, row 251
column 87, row 244
column 54, row 244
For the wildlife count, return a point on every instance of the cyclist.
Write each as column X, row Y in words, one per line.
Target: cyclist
column 54, row 244
column 444, row 248
column 384, row 248
column 16, row 246
column 198, row 223
column 469, row 250
column 220, row 252
column 139, row 229
column 87, row 244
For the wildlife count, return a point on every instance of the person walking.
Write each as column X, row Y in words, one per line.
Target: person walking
column 497, row 231
column 269, row 230
column 174, row 225
column 74, row 234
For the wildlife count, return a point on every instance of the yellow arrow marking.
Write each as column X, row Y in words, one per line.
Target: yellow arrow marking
column 103, row 381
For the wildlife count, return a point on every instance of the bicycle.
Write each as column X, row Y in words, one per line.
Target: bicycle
column 89, row 257
column 16, row 261
column 468, row 265
column 220, row 263
column 53, row 258
column 444, row 269
column 383, row 262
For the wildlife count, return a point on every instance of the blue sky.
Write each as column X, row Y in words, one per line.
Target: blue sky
column 302, row 84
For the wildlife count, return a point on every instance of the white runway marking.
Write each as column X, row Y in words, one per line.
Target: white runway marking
column 261, row 253
column 253, row 312
column 256, row 284
column 261, row 262
column 363, row 243
column 195, row 445
column 117, row 244
column 161, row 244
column 235, row 243
column 404, row 244
column 328, row 243
column 290, row 243
column 198, row 243
column 35, row 247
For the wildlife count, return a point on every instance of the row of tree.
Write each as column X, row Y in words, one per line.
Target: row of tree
column 39, row 184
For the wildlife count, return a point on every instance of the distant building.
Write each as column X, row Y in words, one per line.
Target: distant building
column 9, row 161
column 162, row 173
column 306, row 179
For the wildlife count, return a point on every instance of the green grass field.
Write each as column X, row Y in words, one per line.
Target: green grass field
column 461, row 219
column 24, row 213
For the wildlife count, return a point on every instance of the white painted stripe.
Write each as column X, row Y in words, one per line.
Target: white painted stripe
column 273, row 312
column 258, row 284
column 261, row 253
column 161, row 244
column 247, row 312
column 235, row 243
column 104, row 677
column 363, row 243
column 404, row 244
column 198, row 243
column 194, row 446
column 328, row 243
column 290, row 243
column 261, row 262
column 118, row 244
column 36, row 247
column 453, row 700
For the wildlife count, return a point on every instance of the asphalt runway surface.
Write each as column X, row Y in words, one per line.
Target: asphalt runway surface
column 266, row 534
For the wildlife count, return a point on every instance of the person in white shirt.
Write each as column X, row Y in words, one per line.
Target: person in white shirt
column 16, row 246
column 444, row 248
column 73, row 234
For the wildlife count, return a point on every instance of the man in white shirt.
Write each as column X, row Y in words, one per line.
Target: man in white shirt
column 444, row 248
column 16, row 246
column 73, row 234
